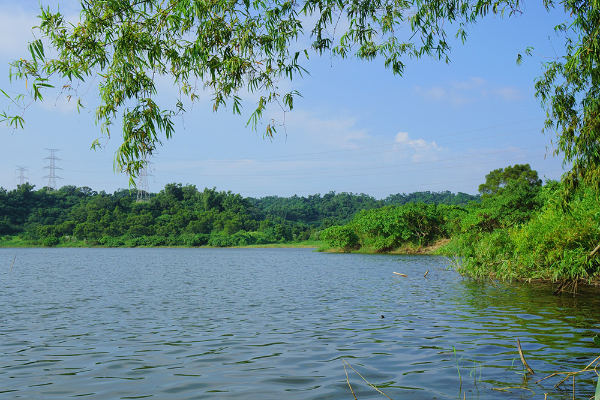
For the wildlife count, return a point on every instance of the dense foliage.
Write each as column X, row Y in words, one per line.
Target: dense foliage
column 536, row 238
column 178, row 215
column 391, row 227
column 226, row 47
column 520, row 229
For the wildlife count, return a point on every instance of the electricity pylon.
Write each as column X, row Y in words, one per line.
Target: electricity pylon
column 22, row 177
column 52, row 169
column 143, row 188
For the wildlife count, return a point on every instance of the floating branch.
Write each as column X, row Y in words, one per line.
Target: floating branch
column 398, row 273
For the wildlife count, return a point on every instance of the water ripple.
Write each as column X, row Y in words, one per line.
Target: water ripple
column 274, row 323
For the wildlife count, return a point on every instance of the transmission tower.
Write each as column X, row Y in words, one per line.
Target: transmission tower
column 143, row 188
column 22, row 177
column 52, row 169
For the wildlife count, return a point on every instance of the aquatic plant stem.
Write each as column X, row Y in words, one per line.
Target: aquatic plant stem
column 457, row 368
column 13, row 263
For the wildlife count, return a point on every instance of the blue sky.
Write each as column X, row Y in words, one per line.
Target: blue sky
column 357, row 128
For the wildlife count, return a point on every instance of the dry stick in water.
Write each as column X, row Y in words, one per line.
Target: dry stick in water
column 572, row 373
column 505, row 389
column 363, row 378
column 398, row 273
column 426, row 272
column 13, row 262
column 348, row 380
column 569, row 373
column 523, row 358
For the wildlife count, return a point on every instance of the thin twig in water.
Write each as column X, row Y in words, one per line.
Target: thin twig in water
column 426, row 272
column 348, row 380
column 512, row 387
column 368, row 383
column 574, row 373
column 549, row 376
column 13, row 262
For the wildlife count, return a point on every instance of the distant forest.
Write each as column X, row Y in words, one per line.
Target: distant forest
column 184, row 215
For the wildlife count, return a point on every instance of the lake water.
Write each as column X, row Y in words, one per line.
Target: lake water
column 277, row 324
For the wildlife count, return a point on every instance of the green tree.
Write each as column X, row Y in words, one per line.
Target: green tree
column 569, row 89
column 228, row 46
column 496, row 180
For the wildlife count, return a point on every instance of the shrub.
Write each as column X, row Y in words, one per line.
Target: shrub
column 342, row 237
column 51, row 241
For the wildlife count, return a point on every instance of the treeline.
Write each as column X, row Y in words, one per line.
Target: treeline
column 520, row 230
column 178, row 215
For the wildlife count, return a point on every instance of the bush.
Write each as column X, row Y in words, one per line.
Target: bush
column 109, row 241
column 342, row 237
column 51, row 241
column 554, row 244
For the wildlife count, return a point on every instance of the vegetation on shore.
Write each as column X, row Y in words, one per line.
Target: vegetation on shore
column 180, row 216
column 521, row 230
column 517, row 229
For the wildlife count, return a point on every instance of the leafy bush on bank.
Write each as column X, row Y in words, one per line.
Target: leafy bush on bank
column 389, row 228
column 554, row 244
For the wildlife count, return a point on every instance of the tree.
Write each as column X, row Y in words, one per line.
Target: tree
column 521, row 174
column 235, row 45
column 570, row 90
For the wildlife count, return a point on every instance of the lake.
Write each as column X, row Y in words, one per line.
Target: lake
column 277, row 324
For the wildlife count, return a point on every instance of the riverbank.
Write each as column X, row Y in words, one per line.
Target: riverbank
column 16, row 242
column 407, row 249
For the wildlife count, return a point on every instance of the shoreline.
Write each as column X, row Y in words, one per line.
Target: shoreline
column 79, row 245
column 408, row 249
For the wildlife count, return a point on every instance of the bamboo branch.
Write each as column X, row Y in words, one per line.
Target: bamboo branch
column 595, row 250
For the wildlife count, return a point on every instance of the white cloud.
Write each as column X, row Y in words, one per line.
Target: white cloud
column 509, row 93
column 472, row 83
column 402, row 137
column 435, row 92
column 424, row 150
column 338, row 132
column 459, row 93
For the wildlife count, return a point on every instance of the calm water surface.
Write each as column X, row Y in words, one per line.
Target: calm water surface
column 276, row 324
